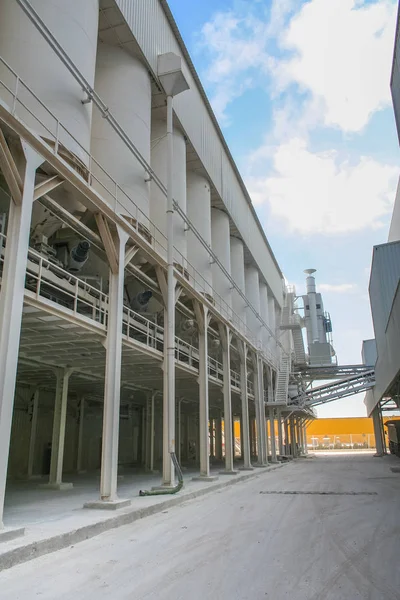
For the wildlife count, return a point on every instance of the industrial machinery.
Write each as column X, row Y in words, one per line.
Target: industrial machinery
column 393, row 432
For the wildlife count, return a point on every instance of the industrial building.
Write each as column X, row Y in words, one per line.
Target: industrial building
column 143, row 316
column 384, row 292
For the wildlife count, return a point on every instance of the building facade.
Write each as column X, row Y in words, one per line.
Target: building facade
column 384, row 291
column 140, row 304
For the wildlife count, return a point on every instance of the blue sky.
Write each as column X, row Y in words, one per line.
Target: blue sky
column 301, row 91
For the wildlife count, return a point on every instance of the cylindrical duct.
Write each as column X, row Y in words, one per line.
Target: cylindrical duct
column 253, row 296
column 75, row 25
column 239, row 305
column 312, row 304
column 264, row 312
column 220, row 243
column 123, row 82
column 158, row 201
column 199, row 214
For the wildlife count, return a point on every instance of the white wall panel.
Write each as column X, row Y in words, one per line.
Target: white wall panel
column 152, row 30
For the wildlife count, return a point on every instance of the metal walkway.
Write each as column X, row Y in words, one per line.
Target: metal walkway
column 336, row 390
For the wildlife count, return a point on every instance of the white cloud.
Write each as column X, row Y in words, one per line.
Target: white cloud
column 313, row 192
column 342, row 57
column 338, row 288
column 237, row 46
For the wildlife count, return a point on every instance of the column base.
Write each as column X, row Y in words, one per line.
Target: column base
column 34, row 477
column 82, row 471
column 246, row 468
column 107, row 504
column 56, row 486
column 227, row 472
column 205, row 478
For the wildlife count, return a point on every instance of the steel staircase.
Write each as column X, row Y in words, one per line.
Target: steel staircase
column 282, row 384
column 292, row 322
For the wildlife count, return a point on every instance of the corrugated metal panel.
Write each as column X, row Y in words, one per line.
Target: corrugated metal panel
column 387, row 367
column 395, row 78
column 394, row 231
column 153, row 32
column 385, row 276
column 369, row 353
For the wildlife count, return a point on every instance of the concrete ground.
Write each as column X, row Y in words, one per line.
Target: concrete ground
column 335, row 536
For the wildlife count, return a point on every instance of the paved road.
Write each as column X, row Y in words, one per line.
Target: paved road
column 337, row 538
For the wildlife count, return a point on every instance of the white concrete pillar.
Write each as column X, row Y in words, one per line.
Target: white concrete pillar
column 239, row 305
column 199, row 214
column 220, row 243
column 11, row 303
column 376, row 420
column 202, row 318
column 272, row 431
column 152, row 426
column 112, row 387
column 292, row 437
column 260, row 412
column 287, row 441
column 245, row 422
column 32, row 438
column 79, row 461
column 218, row 438
column 280, row 437
column 58, row 438
column 226, row 361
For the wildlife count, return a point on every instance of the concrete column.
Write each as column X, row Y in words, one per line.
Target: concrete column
column 112, row 387
column 202, row 318
column 218, row 438
column 226, row 361
column 32, row 438
column 298, row 436
column 211, row 434
column 260, row 413
column 305, row 437
column 179, row 431
column 148, row 433
column 58, row 438
column 376, row 420
column 152, row 430
column 253, row 435
column 292, row 436
column 280, row 437
column 244, row 423
column 286, row 435
column 272, row 430
column 11, row 303
column 79, row 461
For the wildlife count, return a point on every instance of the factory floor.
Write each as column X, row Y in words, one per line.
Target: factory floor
column 325, row 528
column 48, row 520
column 28, row 502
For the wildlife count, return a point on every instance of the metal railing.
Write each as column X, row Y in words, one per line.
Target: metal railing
column 27, row 106
column 50, row 282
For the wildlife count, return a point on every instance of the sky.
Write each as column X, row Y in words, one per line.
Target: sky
column 301, row 90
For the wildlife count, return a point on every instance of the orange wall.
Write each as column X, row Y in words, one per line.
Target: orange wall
column 342, row 426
